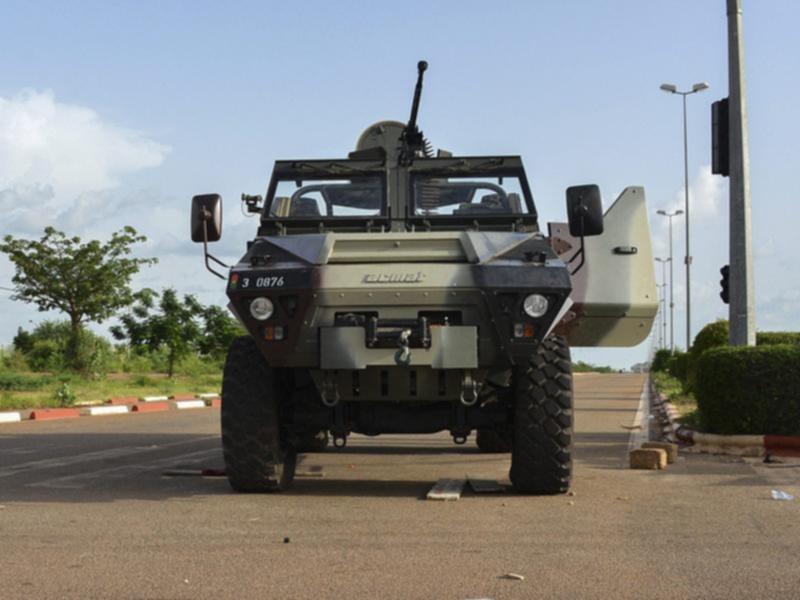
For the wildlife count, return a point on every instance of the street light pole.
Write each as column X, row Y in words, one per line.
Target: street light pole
column 671, row 283
column 663, row 301
column 672, row 89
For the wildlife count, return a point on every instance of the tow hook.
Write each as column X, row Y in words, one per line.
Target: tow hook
column 403, row 356
column 330, row 391
column 469, row 390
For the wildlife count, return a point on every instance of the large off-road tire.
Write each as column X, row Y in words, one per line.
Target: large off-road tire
column 313, row 442
column 492, row 441
column 541, row 457
column 257, row 459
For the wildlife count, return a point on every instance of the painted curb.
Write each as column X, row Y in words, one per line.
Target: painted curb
column 154, row 398
column 150, row 407
column 115, row 406
column 185, row 404
column 10, row 417
column 49, row 414
column 96, row 411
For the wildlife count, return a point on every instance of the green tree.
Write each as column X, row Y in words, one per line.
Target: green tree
column 219, row 330
column 88, row 281
column 171, row 325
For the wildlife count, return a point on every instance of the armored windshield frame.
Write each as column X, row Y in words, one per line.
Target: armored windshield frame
column 472, row 166
column 331, row 169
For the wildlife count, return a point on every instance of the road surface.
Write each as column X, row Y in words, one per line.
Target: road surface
column 87, row 513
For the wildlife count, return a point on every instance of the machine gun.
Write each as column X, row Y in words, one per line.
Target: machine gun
column 413, row 142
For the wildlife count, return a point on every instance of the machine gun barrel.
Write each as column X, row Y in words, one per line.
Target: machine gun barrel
column 412, row 121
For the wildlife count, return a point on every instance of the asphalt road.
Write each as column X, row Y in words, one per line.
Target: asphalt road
column 85, row 512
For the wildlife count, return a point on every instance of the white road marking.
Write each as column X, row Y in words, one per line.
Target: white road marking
column 183, row 404
column 446, row 489
column 80, row 480
column 66, row 461
column 108, row 410
column 10, row 417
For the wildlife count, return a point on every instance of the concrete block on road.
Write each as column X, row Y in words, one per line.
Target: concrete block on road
column 649, row 458
column 669, row 448
column 119, row 409
column 10, row 417
column 48, row 414
column 184, row 404
column 446, row 489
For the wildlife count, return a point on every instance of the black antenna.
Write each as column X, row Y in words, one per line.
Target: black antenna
column 412, row 139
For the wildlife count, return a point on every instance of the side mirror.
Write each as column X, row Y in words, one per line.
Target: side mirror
column 206, row 218
column 584, row 210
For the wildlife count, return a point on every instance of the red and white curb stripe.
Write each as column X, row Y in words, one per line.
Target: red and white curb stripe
column 10, row 417
column 116, row 406
column 184, row 404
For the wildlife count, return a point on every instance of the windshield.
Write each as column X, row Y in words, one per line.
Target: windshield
column 472, row 196
column 325, row 198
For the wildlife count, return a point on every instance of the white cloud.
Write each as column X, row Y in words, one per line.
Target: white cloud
column 63, row 164
column 67, row 147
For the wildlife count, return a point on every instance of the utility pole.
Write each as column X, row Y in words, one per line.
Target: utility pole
column 742, row 314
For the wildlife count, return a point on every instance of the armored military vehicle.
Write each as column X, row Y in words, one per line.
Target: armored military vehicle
column 394, row 291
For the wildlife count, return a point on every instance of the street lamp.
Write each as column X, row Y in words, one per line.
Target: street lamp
column 672, row 89
column 663, row 287
column 669, row 215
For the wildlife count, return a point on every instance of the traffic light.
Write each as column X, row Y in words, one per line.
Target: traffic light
column 726, row 273
column 720, row 140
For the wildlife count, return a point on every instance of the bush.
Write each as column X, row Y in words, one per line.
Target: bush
column 765, row 338
column 750, row 390
column 13, row 360
column 660, row 360
column 677, row 366
column 712, row 335
column 45, row 355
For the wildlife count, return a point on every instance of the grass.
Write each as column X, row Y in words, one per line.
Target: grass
column 672, row 388
column 38, row 390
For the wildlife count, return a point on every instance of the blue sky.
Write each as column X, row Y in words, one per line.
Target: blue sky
column 117, row 113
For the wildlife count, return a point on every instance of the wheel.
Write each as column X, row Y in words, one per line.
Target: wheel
column 492, row 441
column 256, row 460
column 313, row 442
column 541, row 456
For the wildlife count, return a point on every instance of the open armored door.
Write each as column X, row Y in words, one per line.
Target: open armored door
column 614, row 297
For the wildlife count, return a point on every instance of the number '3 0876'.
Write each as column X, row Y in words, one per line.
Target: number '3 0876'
column 264, row 282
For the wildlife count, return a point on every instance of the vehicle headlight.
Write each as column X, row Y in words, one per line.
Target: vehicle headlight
column 535, row 305
column 262, row 308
